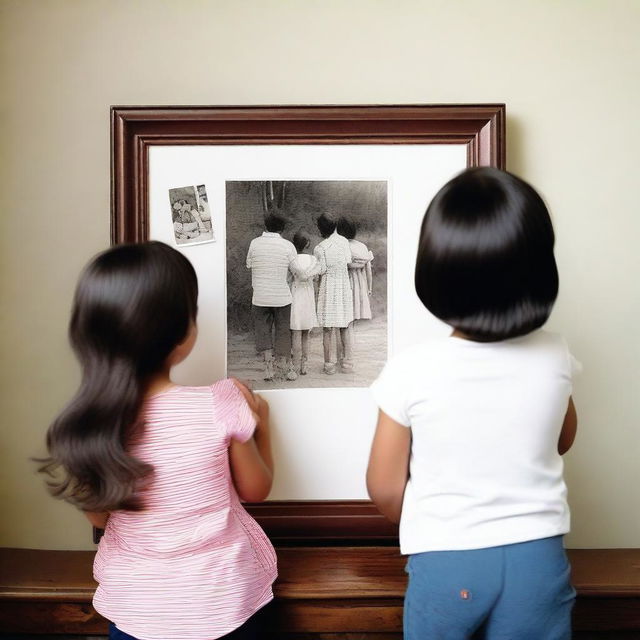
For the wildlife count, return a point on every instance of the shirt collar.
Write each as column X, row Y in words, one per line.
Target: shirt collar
column 270, row 234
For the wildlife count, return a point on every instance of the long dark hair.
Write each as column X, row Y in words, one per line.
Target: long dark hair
column 133, row 305
column 485, row 260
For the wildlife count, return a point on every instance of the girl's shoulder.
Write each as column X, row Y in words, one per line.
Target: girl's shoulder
column 556, row 348
column 539, row 340
column 224, row 387
column 404, row 372
column 179, row 398
column 413, row 360
column 541, row 349
column 360, row 250
column 223, row 397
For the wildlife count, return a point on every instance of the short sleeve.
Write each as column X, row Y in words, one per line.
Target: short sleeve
column 575, row 365
column 390, row 393
column 233, row 411
column 318, row 254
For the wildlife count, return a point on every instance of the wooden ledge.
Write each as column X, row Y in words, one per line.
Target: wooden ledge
column 610, row 573
column 310, row 573
column 319, row 590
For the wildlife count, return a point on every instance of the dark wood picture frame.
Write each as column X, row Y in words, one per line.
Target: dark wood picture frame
column 480, row 127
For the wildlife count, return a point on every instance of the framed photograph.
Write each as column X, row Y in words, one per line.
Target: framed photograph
column 327, row 299
column 302, row 224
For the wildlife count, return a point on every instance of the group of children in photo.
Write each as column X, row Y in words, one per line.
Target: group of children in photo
column 190, row 221
column 287, row 304
column 466, row 454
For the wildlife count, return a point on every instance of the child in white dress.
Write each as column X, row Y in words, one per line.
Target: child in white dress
column 303, row 305
column 335, row 299
column 360, row 274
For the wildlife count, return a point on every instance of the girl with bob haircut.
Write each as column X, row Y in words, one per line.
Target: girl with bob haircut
column 161, row 467
column 472, row 426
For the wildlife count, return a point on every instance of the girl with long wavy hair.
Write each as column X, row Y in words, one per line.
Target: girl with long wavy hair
column 160, row 466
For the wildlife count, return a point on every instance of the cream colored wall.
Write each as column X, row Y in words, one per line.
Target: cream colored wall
column 566, row 70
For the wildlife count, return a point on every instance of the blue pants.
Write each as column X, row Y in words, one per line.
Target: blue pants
column 513, row 592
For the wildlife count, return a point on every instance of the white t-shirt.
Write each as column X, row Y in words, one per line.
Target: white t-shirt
column 485, row 421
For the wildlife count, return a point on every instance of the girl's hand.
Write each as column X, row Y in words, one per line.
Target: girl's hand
column 261, row 412
column 258, row 405
column 244, row 389
column 252, row 461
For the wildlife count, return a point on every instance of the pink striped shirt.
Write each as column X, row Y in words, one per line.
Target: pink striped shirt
column 193, row 565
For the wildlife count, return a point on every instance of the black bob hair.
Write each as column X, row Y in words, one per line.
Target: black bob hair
column 133, row 305
column 300, row 241
column 326, row 225
column 485, row 261
column 274, row 223
column 347, row 228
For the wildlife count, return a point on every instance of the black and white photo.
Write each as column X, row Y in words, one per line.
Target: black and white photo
column 190, row 215
column 306, row 282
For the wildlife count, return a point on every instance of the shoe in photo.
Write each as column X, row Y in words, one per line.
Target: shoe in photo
column 329, row 368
